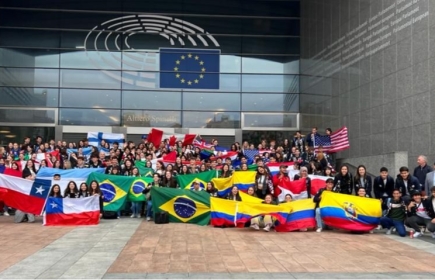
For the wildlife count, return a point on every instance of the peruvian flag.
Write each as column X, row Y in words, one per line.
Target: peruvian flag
column 317, row 182
column 72, row 211
column 25, row 195
column 297, row 189
column 156, row 136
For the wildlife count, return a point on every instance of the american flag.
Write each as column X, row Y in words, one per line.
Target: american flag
column 251, row 153
column 336, row 142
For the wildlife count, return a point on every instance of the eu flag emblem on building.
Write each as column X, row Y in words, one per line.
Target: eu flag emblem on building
column 189, row 68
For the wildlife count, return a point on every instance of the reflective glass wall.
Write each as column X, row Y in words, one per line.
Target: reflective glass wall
column 98, row 62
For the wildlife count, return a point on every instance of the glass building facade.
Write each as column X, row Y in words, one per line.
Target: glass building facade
column 96, row 63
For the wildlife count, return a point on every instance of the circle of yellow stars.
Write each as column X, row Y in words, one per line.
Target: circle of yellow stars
column 178, row 75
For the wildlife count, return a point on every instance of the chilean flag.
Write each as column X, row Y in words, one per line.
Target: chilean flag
column 156, row 136
column 25, row 195
column 72, row 211
column 297, row 189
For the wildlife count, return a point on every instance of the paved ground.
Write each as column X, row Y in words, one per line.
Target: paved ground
column 133, row 248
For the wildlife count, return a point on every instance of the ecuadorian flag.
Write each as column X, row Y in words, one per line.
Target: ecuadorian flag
column 186, row 181
column 223, row 212
column 114, row 189
column 183, row 206
column 303, row 215
column 350, row 212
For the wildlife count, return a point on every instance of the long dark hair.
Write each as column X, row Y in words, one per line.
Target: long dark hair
column 357, row 176
column 97, row 189
column 52, row 194
column 68, row 190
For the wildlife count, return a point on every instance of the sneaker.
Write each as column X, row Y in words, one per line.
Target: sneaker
column 266, row 228
column 255, row 226
column 394, row 229
column 388, row 231
column 6, row 213
column 417, row 234
column 319, row 230
column 433, row 234
column 148, row 218
column 132, row 216
column 139, row 216
column 379, row 227
column 118, row 217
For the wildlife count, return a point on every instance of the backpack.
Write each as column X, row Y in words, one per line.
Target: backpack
column 161, row 218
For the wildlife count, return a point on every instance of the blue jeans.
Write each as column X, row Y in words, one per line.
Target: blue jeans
column 149, row 209
column 387, row 223
column 319, row 221
column 136, row 208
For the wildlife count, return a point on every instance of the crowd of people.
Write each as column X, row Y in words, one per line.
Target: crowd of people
column 407, row 200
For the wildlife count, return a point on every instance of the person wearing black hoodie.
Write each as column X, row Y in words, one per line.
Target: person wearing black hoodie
column 317, row 198
column 406, row 183
column 343, row 181
column 421, row 213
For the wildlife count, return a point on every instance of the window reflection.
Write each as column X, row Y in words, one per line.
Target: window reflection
column 215, row 101
column 29, row 77
column 211, row 119
column 270, row 102
column 88, row 98
column 91, row 60
column 27, row 116
column 151, row 118
column 89, row 117
column 12, row 134
column 29, row 58
column 37, row 97
column 151, row 100
column 252, row 120
column 90, row 79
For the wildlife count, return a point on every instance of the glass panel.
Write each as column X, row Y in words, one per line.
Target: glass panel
column 270, row 102
column 270, row 120
column 89, row 117
column 271, row 45
column 211, row 119
column 151, row 100
column 255, row 137
column 230, row 63
column 35, row 97
column 91, row 60
column 270, row 64
column 29, row 58
column 270, row 83
column 26, row 77
column 29, row 38
column 13, row 134
column 15, row 115
column 90, row 98
column 151, row 118
column 91, row 79
column 140, row 80
column 214, row 101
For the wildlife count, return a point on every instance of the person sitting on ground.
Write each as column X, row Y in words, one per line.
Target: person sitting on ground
column 396, row 214
column 266, row 220
column 421, row 213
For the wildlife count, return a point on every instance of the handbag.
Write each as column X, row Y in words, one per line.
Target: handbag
column 161, row 218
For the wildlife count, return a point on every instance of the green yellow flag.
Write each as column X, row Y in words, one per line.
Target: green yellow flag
column 143, row 170
column 183, row 206
column 137, row 187
column 186, row 181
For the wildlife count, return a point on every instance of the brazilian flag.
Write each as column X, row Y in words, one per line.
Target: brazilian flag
column 114, row 188
column 137, row 186
column 183, row 206
column 186, row 181
column 143, row 170
column 252, row 167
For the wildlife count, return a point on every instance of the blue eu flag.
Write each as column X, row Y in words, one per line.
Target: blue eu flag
column 189, row 68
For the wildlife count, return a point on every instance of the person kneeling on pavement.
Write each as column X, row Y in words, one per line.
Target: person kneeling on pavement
column 421, row 213
column 396, row 214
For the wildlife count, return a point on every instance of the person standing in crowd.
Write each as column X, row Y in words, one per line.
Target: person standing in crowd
column 299, row 142
column 343, row 181
column 303, row 174
column 421, row 171
column 429, row 182
column 147, row 191
column 396, row 214
column 83, row 190
column 406, row 183
column 234, row 194
column 71, row 190
column 169, row 181
column 383, row 185
column 263, row 183
column 362, row 180
column 94, row 189
column 317, row 198
column 310, row 137
column 55, row 191
column 421, row 213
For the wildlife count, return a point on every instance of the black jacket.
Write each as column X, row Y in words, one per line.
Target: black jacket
column 413, row 184
column 317, row 198
column 421, row 173
column 368, row 185
column 308, row 184
column 379, row 188
column 343, row 184
column 427, row 204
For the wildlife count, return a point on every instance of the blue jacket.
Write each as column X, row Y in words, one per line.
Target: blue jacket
column 367, row 185
column 379, row 188
column 413, row 184
column 421, row 173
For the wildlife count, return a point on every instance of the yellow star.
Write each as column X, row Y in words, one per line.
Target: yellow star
column 201, row 63
column 196, row 57
column 189, row 83
column 196, row 81
column 175, row 68
column 201, row 76
column 178, row 62
column 178, row 75
column 182, row 57
column 189, row 55
column 203, row 69
column 182, row 81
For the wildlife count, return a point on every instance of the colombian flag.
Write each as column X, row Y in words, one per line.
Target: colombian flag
column 246, row 211
column 114, row 188
column 249, row 198
column 222, row 212
column 350, row 212
column 223, row 185
column 244, row 179
column 183, row 206
column 186, row 181
column 302, row 216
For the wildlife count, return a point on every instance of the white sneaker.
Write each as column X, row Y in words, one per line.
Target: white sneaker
column 6, row 213
column 379, row 227
column 417, row 234
column 388, row 231
column 394, row 229
column 319, row 230
column 433, row 234
column 255, row 226
column 148, row 218
column 266, row 228
column 132, row 216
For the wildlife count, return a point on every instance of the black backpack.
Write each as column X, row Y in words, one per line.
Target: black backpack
column 161, row 218
column 110, row 215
